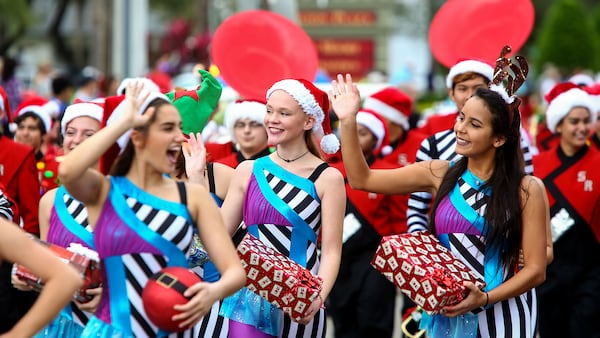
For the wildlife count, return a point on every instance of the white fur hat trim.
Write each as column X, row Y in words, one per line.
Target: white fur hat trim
column 78, row 110
column 465, row 66
column 564, row 103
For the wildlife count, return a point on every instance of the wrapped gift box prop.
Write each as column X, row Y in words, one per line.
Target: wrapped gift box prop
column 84, row 260
column 426, row 271
column 278, row 279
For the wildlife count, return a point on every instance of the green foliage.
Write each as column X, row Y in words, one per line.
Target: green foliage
column 567, row 38
column 596, row 24
column 15, row 18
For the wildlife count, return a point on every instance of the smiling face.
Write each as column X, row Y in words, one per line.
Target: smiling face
column 285, row 120
column 29, row 132
column 160, row 144
column 251, row 136
column 78, row 130
column 366, row 139
column 574, row 129
column 474, row 132
column 463, row 90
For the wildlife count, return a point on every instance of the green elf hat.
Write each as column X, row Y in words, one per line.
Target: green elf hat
column 196, row 106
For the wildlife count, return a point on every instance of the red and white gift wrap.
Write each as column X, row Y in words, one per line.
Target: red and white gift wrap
column 84, row 260
column 278, row 279
column 426, row 271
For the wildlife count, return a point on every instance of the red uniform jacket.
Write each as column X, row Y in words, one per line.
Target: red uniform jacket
column 572, row 183
column 235, row 158
column 215, row 151
column 20, row 178
column 545, row 139
column 405, row 150
column 437, row 123
column 385, row 213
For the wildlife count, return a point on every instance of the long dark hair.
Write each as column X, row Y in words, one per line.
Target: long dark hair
column 123, row 162
column 503, row 229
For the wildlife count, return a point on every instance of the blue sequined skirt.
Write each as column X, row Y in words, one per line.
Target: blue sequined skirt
column 249, row 308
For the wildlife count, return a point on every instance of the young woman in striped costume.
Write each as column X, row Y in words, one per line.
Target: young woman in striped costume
column 64, row 220
column 486, row 210
column 292, row 201
column 145, row 219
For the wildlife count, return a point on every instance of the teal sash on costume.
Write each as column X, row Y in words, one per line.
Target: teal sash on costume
column 119, row 302
column 68, row 221
column 245, row 306
column 466, row 325
column 302, row 232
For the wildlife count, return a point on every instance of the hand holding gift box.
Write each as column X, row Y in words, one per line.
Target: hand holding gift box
column 427, row 272
column 84, row 260
column 277, row 278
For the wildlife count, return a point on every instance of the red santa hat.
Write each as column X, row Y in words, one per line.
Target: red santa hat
column 391, row 103
column 114, row 107
column 244, row 109
column 562, row 99
column 314, row 102
column 469, row 65
column 79, row 109
column 120, row 109
column 37, row 106
column 376, row 124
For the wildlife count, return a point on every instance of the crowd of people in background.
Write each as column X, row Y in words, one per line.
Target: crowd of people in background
column 144, row 172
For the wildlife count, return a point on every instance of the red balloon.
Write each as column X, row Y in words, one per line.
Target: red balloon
column 254, row 49
column 164, row 290
column 479, row 29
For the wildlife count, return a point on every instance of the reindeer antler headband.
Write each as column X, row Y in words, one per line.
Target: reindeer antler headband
column 509, row 75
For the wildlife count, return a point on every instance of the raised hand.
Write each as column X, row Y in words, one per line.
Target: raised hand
column 194, row 153
column 345, row 97
column 134, row 100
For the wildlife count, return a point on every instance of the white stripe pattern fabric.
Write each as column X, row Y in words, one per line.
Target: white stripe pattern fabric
column 5, row 207
column 77, row 210
column 140, row 267
column 212, row 325
column 279, row 238
column 514, row 317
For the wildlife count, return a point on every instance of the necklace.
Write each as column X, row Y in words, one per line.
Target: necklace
column 293, row 159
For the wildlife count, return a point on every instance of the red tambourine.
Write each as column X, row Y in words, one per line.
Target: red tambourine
column 254, row 49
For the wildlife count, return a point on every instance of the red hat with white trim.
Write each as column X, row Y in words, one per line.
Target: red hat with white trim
column 35, row 105
column 93, row 110
column 314, row 102
column 392, row 104
column 376, row 124
column 562, row 99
